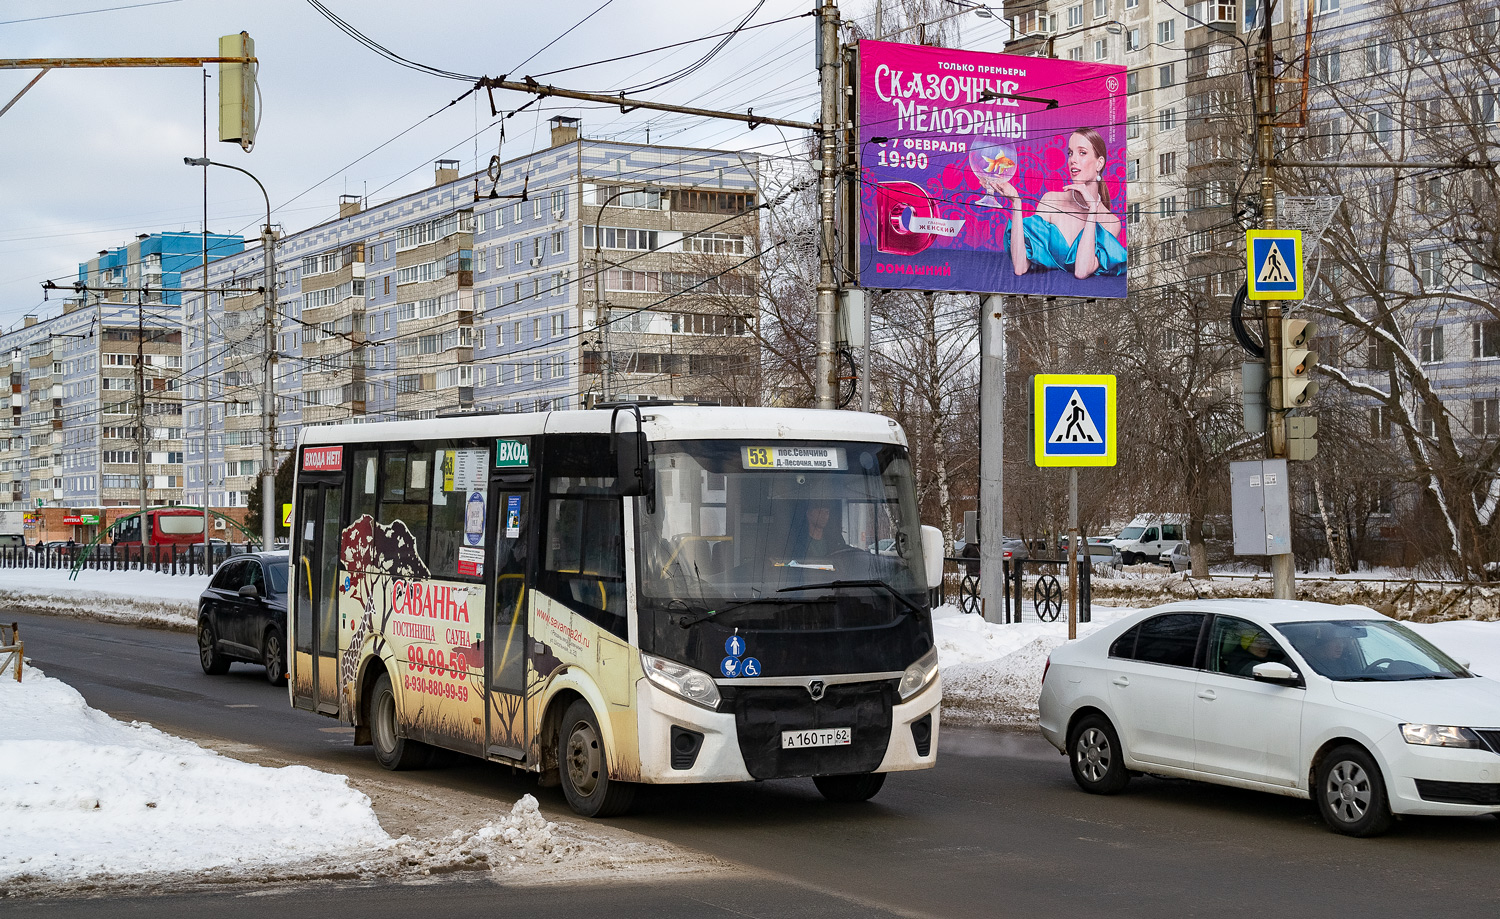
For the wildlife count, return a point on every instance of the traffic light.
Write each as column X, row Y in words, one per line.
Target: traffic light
column 237, row 90
column 1297, row 362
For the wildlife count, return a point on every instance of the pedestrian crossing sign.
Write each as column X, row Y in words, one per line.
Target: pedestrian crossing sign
column 1074, row 419
column 1274, row 264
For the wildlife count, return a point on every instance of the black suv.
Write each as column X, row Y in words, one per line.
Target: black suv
column 242, row 615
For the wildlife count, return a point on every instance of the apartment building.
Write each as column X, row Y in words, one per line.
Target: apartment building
column 96, row 387
column 587, row 268
column 1148, row 38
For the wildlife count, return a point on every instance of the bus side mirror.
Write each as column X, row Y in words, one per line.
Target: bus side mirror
column 932, row 555
column 630, row 463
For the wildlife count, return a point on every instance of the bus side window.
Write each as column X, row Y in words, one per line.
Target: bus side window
column 584, row 561
column 405, row 480
column 366, row 481
column 583, row 546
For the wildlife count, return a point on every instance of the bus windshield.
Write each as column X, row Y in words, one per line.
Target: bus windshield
column 737, row 520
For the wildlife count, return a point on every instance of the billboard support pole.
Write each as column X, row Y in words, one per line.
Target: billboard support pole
column 827, row 304
column 992, row 457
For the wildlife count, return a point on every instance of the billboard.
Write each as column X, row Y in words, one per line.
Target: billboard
column 990, row 173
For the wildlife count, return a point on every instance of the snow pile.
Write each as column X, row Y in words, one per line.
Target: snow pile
column 138, row 597
column 524, row 835
column 1478, row 643
column 88, row 796
column 992, row 674
column 1400, row 599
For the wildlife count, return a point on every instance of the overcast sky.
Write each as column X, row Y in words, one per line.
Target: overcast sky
column 90, row 158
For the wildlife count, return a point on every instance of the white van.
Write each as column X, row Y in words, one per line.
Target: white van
column 1149, row 537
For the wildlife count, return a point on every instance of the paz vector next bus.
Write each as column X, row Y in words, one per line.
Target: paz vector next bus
column 628, row 594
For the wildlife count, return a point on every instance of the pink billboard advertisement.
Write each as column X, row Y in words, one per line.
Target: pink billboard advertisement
column 990, row 173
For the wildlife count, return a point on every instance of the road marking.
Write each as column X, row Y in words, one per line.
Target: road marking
column 336, row 730
column 242, row 705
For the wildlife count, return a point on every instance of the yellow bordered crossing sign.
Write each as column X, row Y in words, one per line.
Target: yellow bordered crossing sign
column 1273, row 263
column 1074, row 419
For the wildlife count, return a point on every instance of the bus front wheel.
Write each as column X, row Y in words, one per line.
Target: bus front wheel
column 584, row 768
column 393, row 751
column 850, row 789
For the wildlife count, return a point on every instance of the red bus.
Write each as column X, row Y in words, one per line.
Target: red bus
column 169, row 526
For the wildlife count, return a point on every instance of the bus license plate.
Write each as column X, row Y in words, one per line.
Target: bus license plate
column 822, row 737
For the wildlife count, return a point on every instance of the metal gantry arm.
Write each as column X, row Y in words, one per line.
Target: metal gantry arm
column 44, row 64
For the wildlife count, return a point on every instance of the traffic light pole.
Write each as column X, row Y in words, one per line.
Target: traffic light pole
column 1283, row 568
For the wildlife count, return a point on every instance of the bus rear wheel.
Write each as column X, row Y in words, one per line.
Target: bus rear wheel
column 850, row 789
column 392, row 751
column 583, row 766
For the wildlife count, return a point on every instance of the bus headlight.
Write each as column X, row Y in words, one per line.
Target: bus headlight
column 681, row 680
column 918, row 675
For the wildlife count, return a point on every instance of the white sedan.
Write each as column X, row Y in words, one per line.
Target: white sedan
column 1336, row 703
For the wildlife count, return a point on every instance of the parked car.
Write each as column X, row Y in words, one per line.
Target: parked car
column 1149, row 536
column 242, row 615
column 1100, row 550
column 1179, row 559
column 1336, row 703
column 12, row 539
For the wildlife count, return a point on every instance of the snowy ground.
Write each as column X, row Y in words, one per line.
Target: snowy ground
column 92, row 804
column 138, row 597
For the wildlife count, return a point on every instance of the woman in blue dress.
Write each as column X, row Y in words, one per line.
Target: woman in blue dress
column 1050, row 237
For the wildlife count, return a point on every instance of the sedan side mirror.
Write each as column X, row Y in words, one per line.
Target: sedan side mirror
column 1272, row 672
column 249, row 591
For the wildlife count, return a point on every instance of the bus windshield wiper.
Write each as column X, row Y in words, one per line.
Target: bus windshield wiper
column 685, row 621
column 835, row 585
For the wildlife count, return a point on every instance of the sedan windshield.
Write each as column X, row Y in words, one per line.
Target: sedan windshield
column 1372, row 650
column 737, row 520
column 278, row 577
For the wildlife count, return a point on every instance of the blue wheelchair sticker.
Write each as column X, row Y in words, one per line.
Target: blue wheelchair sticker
column 751, row 667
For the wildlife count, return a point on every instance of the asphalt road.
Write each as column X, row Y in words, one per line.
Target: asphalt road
column 997, row 829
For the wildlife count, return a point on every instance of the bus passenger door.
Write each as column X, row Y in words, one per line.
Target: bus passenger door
column 315, row 686
column 506, row 664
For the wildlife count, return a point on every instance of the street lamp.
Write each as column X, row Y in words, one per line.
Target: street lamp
column 978, row 9
column 268, row 515
column 1112, row 26
column 601, row 322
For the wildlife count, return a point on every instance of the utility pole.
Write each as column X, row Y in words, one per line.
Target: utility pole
column 140, row 413
column 268, row 515
column 1283, row 568
column 828, row 67
column 203, row 331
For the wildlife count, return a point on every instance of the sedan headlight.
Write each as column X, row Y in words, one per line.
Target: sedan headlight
column 1439, row 735
column 681, row 680
column 918, row 675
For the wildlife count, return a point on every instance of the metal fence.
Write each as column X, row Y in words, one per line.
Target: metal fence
column 170, row 559
column 1048, row 593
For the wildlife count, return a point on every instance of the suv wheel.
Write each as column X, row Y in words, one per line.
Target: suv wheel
column 214, row 663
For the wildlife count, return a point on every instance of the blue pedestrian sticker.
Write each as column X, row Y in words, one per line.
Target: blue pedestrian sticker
column 751, row 667
column 730, row 666
column 734, row 646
